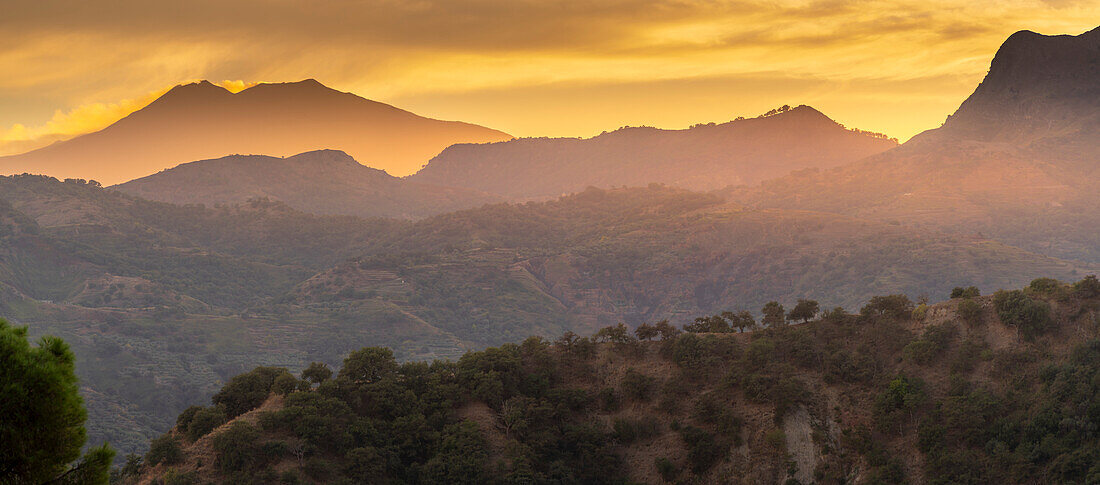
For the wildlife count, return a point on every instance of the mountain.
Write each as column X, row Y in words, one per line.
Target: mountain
column 946, row 393
column 162, row 303
column 704, row 157
column 203, row 121
column 1018, row 161
column 326, row 182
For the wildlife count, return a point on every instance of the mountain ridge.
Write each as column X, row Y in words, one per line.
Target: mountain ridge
column 324, row 182
column 1017, row 161
column 703, row 157
column 200, row 120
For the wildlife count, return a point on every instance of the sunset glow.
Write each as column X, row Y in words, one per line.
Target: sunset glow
column 528, row 68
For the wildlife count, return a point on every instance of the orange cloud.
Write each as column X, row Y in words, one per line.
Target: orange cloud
column 83, row 119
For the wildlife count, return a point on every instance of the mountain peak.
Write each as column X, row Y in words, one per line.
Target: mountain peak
column 1034, row 81
column 304, row 87
column 325, row 157
column 194, row 91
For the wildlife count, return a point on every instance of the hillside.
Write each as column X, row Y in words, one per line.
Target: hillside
column 163, row 303
column 994, row 389
column 202, row 121
column 325, row 182
column 704, row 157
column 1016, row 162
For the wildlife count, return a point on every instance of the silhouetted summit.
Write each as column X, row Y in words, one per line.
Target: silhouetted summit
column 705, row 156
column 201, row 121
column 1037, row 85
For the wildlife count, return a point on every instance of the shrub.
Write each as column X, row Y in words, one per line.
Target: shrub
column 183, row 421
column 703, row 449
column 900, row 400
column 970, row 311
column 284, row 384
column 627, row 431
column 1045, row 286
column 238, row 448
column 247, row 391
column 1089, row 287
column 968, row 292
column 608, row 399
column 666, row 468
column 637, row 386
column 204, row 421
column 165, row 449
column 1030, row 316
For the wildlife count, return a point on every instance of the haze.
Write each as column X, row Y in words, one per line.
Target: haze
column 526, row 68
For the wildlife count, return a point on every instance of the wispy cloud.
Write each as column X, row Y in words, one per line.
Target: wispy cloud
column 88, row 55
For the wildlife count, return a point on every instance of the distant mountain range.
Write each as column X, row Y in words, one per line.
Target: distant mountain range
column 202, row 121
column 704, row 157
column 1018, row 161
column 326, row 182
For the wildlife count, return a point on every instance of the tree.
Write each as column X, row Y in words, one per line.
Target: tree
column 709, row 324
column 804, row 310
column 367, row 365
column 666, row 330
column 896, row 306
column 204, row 421
column 970, row 311
column 1030, row 316
column 773, row 314
column 164, row 449
column 617, row 334
column 740, row 320
column 247, row 391
column 1089, row 287
column 284, row 384
column 645, row 331
column 42, row 415
column 968, row 292
column 317, row 373
column 237, row 448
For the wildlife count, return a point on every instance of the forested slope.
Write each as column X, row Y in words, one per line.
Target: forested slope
column 994, row 389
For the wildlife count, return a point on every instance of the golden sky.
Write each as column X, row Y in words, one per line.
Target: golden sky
column 527, row 67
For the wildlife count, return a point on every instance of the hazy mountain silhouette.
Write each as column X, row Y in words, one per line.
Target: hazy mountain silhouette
column 200, row 121
column 327, row 182
column 1019, row 160
column 703, row 157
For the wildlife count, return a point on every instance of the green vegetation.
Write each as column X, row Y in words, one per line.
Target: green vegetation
column 163, row 304
column 538, row 411
column 1030, row 316
column 42, row 430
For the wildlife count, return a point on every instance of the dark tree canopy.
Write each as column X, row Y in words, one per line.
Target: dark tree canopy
column 42, row 415
column 890, row 306
column 804, row 310
column 247, row 391
column 774, row 314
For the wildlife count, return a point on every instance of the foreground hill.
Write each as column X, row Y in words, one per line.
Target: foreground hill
column 326, row 182
column 162, row 303
column 1019, row 160
column 997, row 389
column 704, row 157
column 202, row 121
